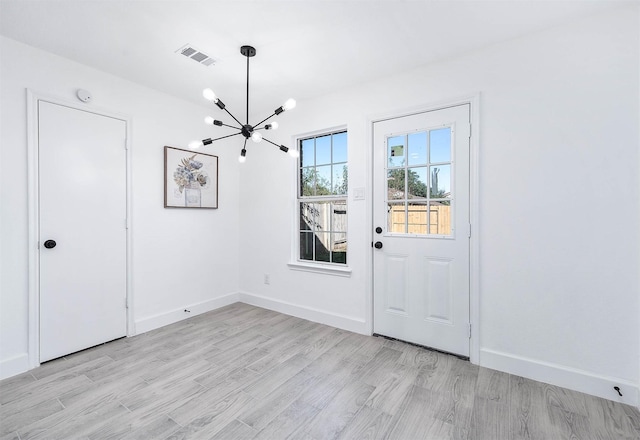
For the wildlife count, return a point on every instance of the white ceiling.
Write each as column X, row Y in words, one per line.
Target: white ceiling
column 304, row 48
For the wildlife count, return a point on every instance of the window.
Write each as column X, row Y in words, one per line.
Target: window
column 419, row 195
column 322, row 198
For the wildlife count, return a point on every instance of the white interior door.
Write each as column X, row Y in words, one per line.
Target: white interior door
column 82, row 196
column 421, row 221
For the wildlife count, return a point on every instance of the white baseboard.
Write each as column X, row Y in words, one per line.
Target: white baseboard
column 149, row 323
column 340, row 321
column 563, row 376
column 566, row 377
column 15, row 365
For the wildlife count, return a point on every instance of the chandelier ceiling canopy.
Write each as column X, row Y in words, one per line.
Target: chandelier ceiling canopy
column 247, row 130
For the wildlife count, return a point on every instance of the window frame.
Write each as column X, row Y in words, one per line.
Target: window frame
column 297, row 263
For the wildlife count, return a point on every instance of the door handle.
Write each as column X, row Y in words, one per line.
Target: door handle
column 378, row 245
column 378, row 230
column 50, row 244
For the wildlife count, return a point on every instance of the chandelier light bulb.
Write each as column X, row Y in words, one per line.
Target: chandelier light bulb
column 242, row 159
column 208, row 120
column 289, row 104
column 256, row 137
column 293, row 152
column 273, row 126
column 195, row 144
column 210, row 95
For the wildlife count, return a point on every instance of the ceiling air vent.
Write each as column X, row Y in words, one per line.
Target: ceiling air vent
column 191, row 52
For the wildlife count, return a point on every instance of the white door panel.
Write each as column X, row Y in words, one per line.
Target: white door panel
column 82, row 193
column 421, row 205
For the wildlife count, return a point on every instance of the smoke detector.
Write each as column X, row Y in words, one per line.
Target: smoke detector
column 191, row 52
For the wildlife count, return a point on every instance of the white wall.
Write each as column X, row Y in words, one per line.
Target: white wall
column 559, row 202
column 181, row 258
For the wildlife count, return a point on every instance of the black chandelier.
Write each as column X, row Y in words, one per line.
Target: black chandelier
column 247, row 130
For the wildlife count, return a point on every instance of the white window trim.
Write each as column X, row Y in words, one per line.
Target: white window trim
column 320, row 267
column 341, row 270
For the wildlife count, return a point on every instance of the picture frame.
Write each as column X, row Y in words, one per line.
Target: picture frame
column 190, row 179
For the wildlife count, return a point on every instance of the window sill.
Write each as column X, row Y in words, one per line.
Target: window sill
column 320, row 268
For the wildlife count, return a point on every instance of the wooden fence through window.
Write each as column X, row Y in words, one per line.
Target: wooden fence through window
column 417, row 222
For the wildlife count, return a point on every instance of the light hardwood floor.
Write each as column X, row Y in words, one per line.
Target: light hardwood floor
column 242, row 372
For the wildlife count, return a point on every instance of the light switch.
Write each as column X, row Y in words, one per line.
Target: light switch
column 358, row 194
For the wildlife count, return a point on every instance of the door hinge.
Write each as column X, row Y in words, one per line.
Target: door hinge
column 469, row 330
column 469, row 230
column 126, row 305
column 126, row 147
column 126, row 225
column 470, row 126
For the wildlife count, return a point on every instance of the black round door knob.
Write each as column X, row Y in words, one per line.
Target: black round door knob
column 378, row 230
column 378, row 245
column 50, row 244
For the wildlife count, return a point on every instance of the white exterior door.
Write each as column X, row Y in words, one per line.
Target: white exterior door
column 421, row 222
column 82, row 195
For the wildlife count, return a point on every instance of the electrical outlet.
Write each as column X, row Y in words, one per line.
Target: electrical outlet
column 267, row 279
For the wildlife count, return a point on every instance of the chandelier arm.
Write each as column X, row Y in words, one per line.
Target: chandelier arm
column 231, row 126
column 264, row 120
column 234, row 118
column 272, row 143
column 281, row 147
column 227, row 136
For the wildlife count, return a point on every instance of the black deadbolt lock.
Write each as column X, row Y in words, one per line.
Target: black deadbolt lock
column 378, row 230
column 378, row 245
column 50, row 244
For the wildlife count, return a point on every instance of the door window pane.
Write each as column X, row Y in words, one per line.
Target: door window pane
column 440, row 218
column 396, row 147
column 417, row 220
column 440, row 145
column 395, row 184
column 417, row 182
column 396, row 218
column 440, row 181
column 417, row 148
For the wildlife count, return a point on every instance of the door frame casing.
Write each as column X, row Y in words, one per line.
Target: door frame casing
column 33, row 200
column 474, row 203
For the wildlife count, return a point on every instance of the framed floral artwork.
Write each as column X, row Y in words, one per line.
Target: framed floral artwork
column 190, row 179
